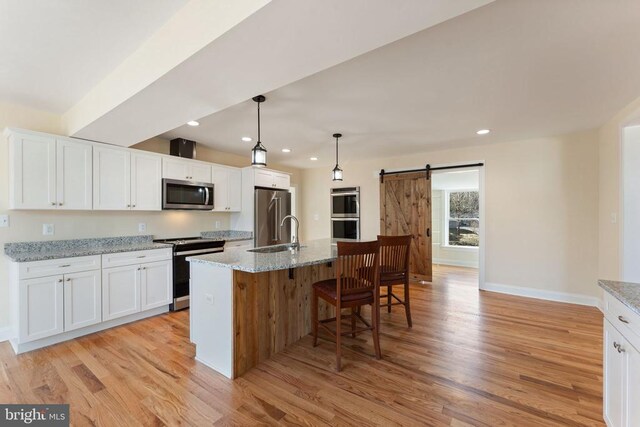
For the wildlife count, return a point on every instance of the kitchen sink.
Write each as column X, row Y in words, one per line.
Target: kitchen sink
column 275, row 248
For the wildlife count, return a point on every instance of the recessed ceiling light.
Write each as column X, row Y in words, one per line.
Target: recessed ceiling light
column 313, row 158
column 193, row 123
column 286, row 150
column 247, row 139
column 483, row 131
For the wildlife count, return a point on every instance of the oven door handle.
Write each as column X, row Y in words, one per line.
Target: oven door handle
column 200, row 251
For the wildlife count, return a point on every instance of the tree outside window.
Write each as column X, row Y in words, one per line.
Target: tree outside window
column 463, row 222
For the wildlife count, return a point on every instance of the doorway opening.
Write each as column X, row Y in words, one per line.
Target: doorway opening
column 456, row 220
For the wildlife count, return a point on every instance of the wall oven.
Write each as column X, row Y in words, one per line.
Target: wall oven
column 345, row 202
column 345, row 228
column 177, row 194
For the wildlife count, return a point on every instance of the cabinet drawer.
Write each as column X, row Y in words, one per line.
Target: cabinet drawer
column 137, row 257
column 52, row 267
column 623, row 318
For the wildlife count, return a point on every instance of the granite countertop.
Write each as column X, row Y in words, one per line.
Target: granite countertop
column 627, row 293
column 227, row 235
column 310, row 253
column 52, row 249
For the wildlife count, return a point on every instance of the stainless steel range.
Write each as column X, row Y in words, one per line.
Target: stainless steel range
column 183, row 248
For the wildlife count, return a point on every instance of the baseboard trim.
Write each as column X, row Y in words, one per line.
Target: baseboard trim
column 543, row 294
column 455, row 263
column 5, row 334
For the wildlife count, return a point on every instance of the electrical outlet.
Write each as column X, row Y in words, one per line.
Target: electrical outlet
column 48, row 229
column 142, row 227
column 4, row 220
column 217, row 224
column 316, row 217
column 209, row 298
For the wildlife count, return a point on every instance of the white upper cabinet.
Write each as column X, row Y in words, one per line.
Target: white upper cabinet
column 186, row 170
column 146, row 182
column 49, row 173
column 227, row 189
column 271, row 179
column 111, row 178
column 74, row 174
column 126, row 180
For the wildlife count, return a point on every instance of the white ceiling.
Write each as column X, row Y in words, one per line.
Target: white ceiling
column 53, row 52
column 524, row 69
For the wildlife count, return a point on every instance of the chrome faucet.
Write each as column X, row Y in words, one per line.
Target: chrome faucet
column 294, row 239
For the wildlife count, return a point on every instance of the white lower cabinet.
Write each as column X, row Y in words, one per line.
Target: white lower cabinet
column 120, row 291
column 156, row 284
column 82, row 300
column 85, row 292
column 41, row 308
column 621, row 365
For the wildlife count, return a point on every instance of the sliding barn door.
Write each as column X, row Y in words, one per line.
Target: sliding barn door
column 405, row 208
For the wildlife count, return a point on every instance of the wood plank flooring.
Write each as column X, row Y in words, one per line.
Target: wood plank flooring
column 472, row 358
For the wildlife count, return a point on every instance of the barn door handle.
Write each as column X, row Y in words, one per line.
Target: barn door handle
column 428, row 232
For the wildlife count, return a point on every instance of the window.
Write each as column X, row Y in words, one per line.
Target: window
column 463, row 218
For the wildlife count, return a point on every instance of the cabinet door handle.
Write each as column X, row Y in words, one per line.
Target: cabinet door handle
column 65, row 265
column 59, row 280
column 138, row 268
column 59, row 204
column 622, row 319
column 144, row 268
column 133, row 206
column 142, row 256
column 128, row 206
column 68, row 279
column 53, row 203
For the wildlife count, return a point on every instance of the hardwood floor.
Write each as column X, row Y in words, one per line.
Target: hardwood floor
column 471, row 358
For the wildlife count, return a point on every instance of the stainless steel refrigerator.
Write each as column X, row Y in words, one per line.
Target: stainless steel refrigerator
column 270, row 207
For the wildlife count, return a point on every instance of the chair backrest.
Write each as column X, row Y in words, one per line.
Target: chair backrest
column 357, row 267
column 395, row 253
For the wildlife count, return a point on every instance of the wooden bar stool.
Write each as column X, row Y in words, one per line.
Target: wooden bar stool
column 356, row 284
column 395, row 252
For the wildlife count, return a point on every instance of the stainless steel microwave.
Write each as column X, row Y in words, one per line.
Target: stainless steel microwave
column 187, row 195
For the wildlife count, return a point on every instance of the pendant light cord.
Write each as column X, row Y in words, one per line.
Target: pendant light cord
column 258, row 122
column 336, row 151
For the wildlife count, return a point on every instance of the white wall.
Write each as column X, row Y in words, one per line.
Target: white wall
column 541, row 213
column 440, row 184
column 631, row 209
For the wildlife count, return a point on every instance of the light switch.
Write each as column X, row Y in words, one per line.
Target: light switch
column 48, row 229
column 4, row 220
column 142, row 227
column 209, row 298
column 217, row 224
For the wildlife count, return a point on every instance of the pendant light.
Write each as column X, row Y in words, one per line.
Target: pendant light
column 337, row 172
column 259, row 153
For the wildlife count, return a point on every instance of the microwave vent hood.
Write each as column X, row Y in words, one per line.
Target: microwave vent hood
column 181, row 147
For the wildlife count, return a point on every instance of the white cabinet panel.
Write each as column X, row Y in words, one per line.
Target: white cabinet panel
column 175, row 169
column 111, row 179
column 134, row 258
column 41, row 308
column 32, row 161
column 186, row 170
column 200, row 172
column 633, row 386
column 146, row 182
column 263, row 178
column 82, row 299
column 227, row 189
column 282, row 181
column 54, row 267
column 220, row 180
column 74, row 175
column 235, row 190
column 613, row 377
column 156, row 284
column 120, row 291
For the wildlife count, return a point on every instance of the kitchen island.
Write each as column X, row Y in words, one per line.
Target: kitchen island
column 247, row 306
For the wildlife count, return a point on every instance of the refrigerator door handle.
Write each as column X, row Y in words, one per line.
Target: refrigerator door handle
column 278, row 214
